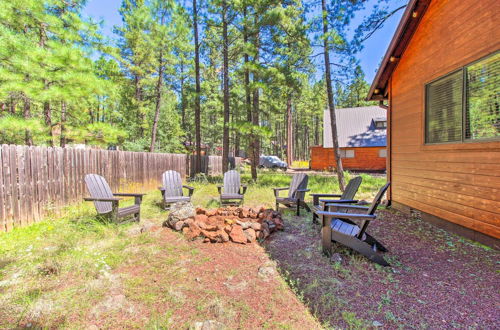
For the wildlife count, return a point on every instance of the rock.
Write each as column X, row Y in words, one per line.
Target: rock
column 213, row 236
column 179, row 225
column 279, row 223
column 256, row 226
column 208, row 325
column 265, row 230
column 179, row 212
column 206, row 240
column 228, row 228
column 266, row 271
column 244, row 211
column 201, row 218
column 211, row 213
column 336, row 257
column 224, row 236
column 200, row 211
column 250, row 235
column 237, row 235
column 244, row 224
column 194, row 231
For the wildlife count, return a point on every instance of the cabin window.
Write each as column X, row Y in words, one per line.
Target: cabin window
column 381, row 124
column 382, row 153
column 465, row 105
column 346, row 153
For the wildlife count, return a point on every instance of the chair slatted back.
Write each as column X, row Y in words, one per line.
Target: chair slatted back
column 373, row 207
column 299, row 181
column 232, row 182
column 352, row 188
column 99, row 188
column 172, row 182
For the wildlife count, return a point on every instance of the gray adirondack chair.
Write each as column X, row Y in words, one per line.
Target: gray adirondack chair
column 171, row 189
column 343, row 228
column 296, row 193
column 106, row 203
column 232, row 191
column 347, row 197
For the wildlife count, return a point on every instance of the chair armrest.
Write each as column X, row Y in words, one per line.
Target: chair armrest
column 244, row 186
column 161, row 188
column 277, row 190
column 303, row 190
column 190, row 189
column 317, row 196
column 326, row 195
column 101, row 199
column 353, row 207
column 128, row 194
column 350, row 216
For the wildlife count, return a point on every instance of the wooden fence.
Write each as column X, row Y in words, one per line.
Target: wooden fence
column 37, row 180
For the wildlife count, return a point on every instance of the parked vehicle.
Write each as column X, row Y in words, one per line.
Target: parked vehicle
column 272, row 162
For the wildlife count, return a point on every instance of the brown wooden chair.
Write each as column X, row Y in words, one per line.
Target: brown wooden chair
column 296, row 193
column 106, row 203
column 171, row 189
column 347, row 197
column 232, row 192
column 342, row 228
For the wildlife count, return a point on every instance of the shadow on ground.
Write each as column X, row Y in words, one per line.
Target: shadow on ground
column 437, row 279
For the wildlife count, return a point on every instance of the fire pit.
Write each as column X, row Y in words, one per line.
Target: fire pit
column 241, row 225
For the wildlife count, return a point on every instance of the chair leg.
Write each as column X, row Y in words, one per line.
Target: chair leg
column 315, row 218
column 326, row 237
column 298, row 208
column 360, row 247
column 277, row 207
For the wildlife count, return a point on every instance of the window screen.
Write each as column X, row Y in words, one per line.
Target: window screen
column 444, row 109
column 482, row 116
column 458, row 110
column 344, row 153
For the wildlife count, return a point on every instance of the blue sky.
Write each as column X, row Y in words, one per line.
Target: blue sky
column 370, row 56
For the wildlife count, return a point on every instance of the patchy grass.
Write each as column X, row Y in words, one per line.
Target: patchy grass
column 77, row 271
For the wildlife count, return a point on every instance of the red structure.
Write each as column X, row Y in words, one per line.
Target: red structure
column 362, row 140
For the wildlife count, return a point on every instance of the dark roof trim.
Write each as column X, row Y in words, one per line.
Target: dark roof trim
column 406, row 28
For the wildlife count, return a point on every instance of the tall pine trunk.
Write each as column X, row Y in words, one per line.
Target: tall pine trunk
column 159, row 83
column 331, row 105
column 289, row 136
column 255, row 106
column 225, row 61
column 197, row 101
column 27, row 115
column 248, row 98
column 62, row 140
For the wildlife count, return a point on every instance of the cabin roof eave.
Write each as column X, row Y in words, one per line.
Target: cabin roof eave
column 408, row 24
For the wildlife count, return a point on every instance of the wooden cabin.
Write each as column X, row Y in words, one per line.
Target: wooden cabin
column 440, row 78
column 362, row 140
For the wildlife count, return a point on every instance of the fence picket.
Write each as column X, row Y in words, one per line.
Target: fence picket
column 35, row 180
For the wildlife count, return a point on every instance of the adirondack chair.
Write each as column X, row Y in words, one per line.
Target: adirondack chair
column 232, row 192
column 106, row 202
column 342, row 228
column 296, row 193
column 171, row 189
column 347, row 197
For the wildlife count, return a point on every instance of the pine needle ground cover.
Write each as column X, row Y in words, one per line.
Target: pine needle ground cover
column 74, row 271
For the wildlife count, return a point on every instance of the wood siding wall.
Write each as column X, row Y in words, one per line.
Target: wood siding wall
column 457, row 182
column 365, row 159
column 36, row 181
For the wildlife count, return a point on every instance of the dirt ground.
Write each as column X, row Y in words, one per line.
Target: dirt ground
column 437, row 279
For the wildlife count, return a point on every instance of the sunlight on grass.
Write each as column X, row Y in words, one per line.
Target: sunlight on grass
column 61, row 267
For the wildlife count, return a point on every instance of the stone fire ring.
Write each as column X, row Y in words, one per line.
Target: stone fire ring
column 241, row 225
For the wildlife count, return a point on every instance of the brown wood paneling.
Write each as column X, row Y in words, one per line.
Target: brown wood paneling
column 365, row 159
column 458, row 182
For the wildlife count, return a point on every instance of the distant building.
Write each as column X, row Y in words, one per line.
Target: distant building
column 362, row 140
